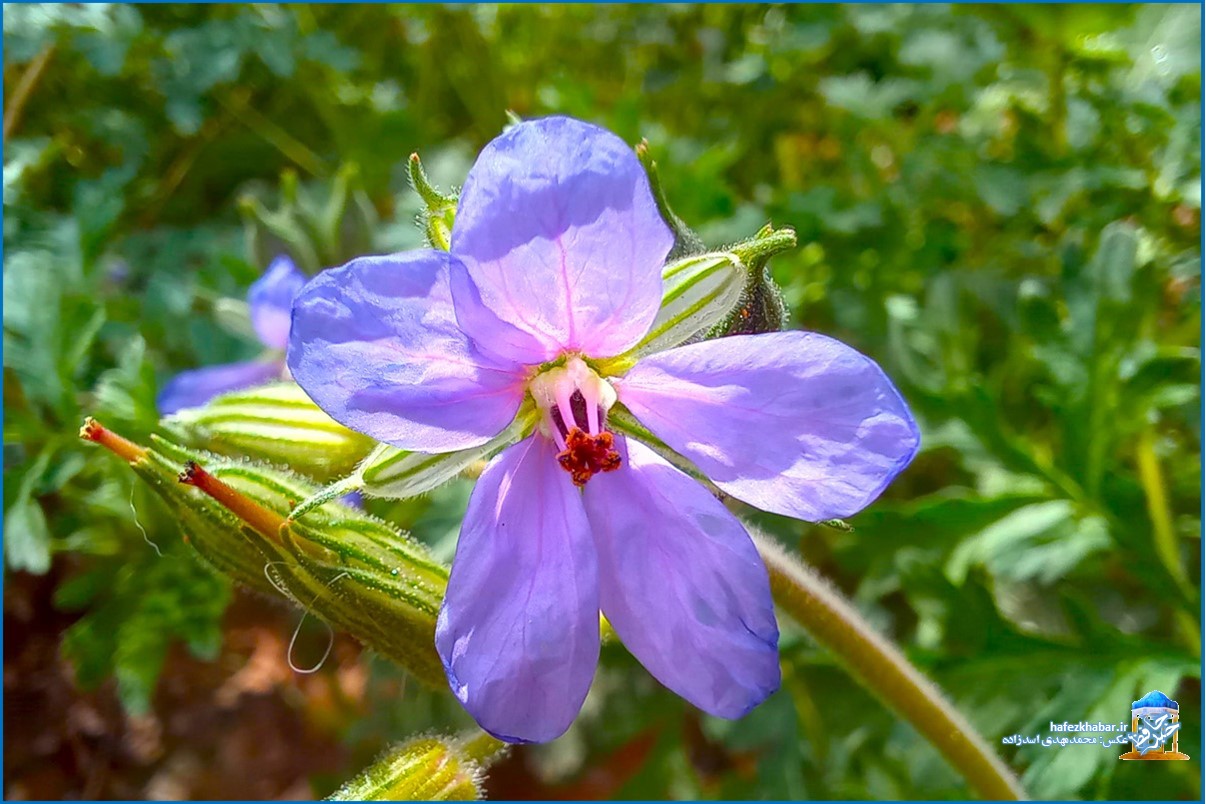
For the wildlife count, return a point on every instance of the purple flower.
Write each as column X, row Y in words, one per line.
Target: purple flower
column 271, row 300
column 555, row 271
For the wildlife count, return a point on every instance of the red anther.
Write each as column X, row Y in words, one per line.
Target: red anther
column 584, row 455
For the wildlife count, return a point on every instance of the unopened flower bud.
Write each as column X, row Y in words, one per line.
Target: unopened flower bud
column 356, row 572
column 215, row 533
column 761, row 307
column 439, row 209
column 698, row 293
column 276, row 423
column 398, row 474
column 424, row 769
column 686, row 241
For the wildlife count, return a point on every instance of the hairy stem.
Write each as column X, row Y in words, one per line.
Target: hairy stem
column 881, row 668
column 764, row 245
column 325, row 495
column 239, row 105
column 484, row 749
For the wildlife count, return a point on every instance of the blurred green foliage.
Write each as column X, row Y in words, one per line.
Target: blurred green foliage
column 999, row 204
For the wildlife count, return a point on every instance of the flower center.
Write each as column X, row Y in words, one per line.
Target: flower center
column 574, row 401
column 584, row 455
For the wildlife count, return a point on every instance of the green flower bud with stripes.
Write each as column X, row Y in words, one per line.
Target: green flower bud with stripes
column 353, row 571
column 761, row 307
column 425, row 769
column 276, row 423
column 398, row 474
column 698, row 292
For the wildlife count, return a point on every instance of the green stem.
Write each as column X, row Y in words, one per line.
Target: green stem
column 881, row 668
column 239, row 105
column 764, row 245
column 326, row 494
column 686, row 241
column 1164, row 534
column 484, row 749
column 1056, row 75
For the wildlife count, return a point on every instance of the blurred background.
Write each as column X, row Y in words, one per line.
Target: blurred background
column 1001, row 205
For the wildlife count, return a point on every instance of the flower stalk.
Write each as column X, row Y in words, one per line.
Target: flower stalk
column 881, row 668
column 1164, row 537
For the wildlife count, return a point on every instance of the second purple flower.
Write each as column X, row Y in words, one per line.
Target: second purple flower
column 269, row 301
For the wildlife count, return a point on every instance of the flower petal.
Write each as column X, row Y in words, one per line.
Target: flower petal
column 271, row 299
column 375, row 343
column 519, row 628
column 791, row 422
column 490, row 332
column 192, row 389
column 560, row 234
column 683, row 585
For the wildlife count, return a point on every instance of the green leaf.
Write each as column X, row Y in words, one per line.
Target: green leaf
column 1114, row 265
column 137, row 612
column 126, row 393
column 1043, row 541
column 862, row 96
column 27, row 538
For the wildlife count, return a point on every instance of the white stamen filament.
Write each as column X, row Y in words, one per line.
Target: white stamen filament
column 555, row 388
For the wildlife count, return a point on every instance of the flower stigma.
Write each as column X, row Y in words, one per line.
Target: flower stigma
column 574, row 401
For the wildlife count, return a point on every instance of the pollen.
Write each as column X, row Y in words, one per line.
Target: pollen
column 585, row 455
